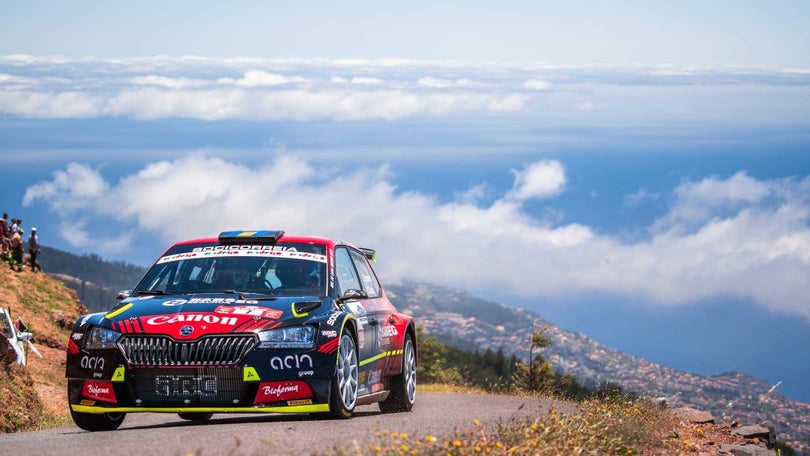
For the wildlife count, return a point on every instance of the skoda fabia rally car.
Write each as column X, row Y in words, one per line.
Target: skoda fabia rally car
column 251, row 321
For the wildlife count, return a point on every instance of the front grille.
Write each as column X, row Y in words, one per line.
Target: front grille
column 220, row 350
column 220, row 385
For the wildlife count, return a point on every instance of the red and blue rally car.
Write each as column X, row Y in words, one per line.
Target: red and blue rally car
column 250, row 321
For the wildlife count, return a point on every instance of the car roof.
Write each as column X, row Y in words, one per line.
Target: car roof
column 284, row 239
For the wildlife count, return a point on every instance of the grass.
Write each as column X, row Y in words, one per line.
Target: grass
column 613, row 426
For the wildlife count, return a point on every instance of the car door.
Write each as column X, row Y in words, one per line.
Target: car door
column 353, row 273
column 378, row 312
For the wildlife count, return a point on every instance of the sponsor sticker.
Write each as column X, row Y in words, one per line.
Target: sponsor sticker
column 291, row 362
column 95, row 363
column 255, row 311
column 180, row 302
column 282, row 391
column 100, row 391
column 243, row 250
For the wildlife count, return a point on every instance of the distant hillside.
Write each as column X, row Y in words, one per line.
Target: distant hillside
column 458, row 318
column 95, row 280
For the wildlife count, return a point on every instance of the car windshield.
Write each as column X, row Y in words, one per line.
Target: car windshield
column 268, row 270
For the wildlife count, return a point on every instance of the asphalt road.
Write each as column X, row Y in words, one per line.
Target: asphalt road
column 251, row 434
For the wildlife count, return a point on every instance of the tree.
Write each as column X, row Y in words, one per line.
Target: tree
column 432, row 366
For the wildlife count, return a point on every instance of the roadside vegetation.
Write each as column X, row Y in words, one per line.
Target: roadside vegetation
column 607, row 420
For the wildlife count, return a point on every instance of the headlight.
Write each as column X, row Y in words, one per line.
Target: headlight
column 293, row 337
column 99, row 337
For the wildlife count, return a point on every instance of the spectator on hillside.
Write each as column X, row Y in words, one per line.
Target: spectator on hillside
column 17, row 250
column 33, row 250
column 16, row 225
column 5, row 232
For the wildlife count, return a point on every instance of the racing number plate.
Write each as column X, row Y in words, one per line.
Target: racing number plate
column 185, row 385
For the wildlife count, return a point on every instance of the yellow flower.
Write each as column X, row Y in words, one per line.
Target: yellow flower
column 395, row 434
column 457, row 443
column 430, row 438
column 404, row 447
column 476, row 422
column 404, row 436
column 377, row 449
column 499, row 444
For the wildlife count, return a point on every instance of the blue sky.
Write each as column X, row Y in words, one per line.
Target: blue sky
column 642, row 164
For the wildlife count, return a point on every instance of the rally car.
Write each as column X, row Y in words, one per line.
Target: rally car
column 249, row 321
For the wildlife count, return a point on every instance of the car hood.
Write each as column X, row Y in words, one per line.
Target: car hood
column 192, row 316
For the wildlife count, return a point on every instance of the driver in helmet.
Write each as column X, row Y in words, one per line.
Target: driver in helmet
column 297, row 274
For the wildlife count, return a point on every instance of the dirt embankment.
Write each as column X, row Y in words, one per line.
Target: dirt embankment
column 37, row 392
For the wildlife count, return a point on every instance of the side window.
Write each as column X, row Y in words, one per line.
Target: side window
column 346, row 275
column 370, row 284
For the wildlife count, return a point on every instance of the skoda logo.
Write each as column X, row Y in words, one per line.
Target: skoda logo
column 186, row 330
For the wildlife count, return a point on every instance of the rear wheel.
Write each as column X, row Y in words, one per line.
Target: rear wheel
column 403, row 386
column 344, row 383
column 98, row 422
column 197, row 417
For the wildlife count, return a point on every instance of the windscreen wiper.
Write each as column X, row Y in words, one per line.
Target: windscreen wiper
column 261, row 297
column 152, row 292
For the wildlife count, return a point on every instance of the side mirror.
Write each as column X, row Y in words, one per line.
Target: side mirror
column 353, row 294
column 25, row 336
column 123, row 294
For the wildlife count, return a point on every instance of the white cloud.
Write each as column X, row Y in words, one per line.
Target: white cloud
column 360, row 80
column 698, row 201
column 43, row 105
column 73, row 188
column 539, row 180
column 759, row 250
column 537, row 84
column 10, row 80
column 236, row 103
column 171, row 83
column 438, row 83
column 259, row 78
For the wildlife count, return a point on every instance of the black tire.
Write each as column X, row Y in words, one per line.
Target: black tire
column 197, row 417
column 343, row 394
column 98, row 422
column 403, row 386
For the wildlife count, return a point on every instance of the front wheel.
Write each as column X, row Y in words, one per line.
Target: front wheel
column 344, row 383
column 98, row 422
column 403, row 386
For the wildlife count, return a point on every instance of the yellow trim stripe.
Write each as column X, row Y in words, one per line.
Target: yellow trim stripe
column 380, row 356
column 246, row 234
column 115, row 313
column 296, row 314
column 317, row 408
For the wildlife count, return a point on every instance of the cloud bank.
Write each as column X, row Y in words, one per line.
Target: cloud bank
column 209, row 89
column 721, row 236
